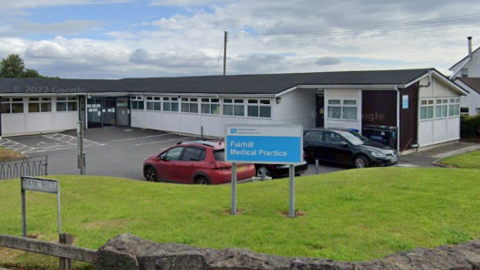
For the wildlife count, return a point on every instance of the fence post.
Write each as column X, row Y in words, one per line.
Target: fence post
column 66, row 239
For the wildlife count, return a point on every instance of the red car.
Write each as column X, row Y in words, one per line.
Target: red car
column 200, row 162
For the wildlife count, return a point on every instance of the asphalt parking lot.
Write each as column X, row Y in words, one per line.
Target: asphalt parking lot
column 116, row 151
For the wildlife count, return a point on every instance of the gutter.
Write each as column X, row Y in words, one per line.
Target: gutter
column 398, row 118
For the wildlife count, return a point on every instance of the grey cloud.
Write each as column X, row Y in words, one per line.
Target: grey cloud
column 60, row 28
column 171, row 59
column 327, row 61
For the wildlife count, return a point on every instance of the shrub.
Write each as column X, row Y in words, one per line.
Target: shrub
column 470, row 127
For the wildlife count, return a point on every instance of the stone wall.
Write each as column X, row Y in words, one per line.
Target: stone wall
column 128, row 252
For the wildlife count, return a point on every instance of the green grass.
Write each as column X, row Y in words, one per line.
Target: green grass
column 352, row 215
column 469, row 160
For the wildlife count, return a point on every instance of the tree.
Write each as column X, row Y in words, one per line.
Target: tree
column 31, row 73
column 12, row 67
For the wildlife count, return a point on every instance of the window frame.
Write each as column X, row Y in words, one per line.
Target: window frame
column 8, row 102
column 257, row 104
column 429, row 105
column 187, row 103
column 67, row 101
column 135, row 101
column 210, row 103
column 40, row 102
column 152, row 102
column 167, row 104
column 341, row 104
column 235, row 104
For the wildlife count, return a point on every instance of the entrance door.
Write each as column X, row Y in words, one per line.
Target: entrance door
column 123, row 118
column 320, row 115
column 108, row 112
column 94, row 109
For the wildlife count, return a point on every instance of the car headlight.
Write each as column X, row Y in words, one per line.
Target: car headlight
column 378, row 155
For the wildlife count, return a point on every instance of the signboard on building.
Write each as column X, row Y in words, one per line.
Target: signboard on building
column 405, row 102
column 268, row 144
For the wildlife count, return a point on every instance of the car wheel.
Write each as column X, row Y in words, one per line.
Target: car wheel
column 202, row 181
column 361, row 162
column 151, row 174
column 262, row 170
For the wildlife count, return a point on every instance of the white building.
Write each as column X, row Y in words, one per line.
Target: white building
column 422, row 103
column 466, row 73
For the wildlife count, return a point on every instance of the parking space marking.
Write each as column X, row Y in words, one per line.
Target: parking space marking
column 162, row 141
column 63, row 142
column 139, row 138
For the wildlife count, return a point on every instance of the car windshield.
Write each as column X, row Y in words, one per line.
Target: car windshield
column 219, row 155
column 353, row 139
column 358, row 135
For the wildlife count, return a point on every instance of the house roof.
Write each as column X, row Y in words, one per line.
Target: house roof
column 234, row 84
column 473, row 83
column 463, row 59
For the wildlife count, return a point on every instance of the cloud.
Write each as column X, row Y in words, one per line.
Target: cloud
column 46, row 49
column 29, row 4
column 68, row 27
column 327, row 61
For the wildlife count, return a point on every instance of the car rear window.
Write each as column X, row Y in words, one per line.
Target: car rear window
column 219, row 155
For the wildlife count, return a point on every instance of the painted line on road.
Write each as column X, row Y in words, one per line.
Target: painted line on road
column 139, row 138
column 163, row 141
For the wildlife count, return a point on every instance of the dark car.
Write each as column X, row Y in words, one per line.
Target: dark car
column 279, row 171
column 194, row 163
column 346, row 147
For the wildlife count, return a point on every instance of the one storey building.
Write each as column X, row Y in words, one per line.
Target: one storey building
column 422, row 103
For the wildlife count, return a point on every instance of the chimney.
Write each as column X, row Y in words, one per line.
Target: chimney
column 469, row 46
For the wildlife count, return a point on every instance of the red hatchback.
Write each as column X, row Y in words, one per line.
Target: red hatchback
column 200, row 162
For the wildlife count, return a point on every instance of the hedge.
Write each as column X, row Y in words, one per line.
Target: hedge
column 470, row 127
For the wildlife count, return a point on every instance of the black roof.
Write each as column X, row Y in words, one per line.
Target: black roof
column 232, row 84
column 474, row 83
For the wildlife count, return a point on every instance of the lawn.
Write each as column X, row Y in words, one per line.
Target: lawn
column 351, row 215
column 469, row 160
column 8, row 154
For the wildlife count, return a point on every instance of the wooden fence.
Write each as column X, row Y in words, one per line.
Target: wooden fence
column 66, row 252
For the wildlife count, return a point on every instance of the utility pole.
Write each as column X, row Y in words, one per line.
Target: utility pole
column 225, row 39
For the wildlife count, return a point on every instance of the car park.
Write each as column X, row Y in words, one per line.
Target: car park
column 346, row 147
column 201, row 162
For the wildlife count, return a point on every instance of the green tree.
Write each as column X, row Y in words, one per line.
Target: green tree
column 12, row 67
column 31, row 73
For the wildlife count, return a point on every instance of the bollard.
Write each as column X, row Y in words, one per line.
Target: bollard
column 317, row 167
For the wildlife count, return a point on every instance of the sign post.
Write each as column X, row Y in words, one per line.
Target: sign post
column 40, row 185
column 264, row 144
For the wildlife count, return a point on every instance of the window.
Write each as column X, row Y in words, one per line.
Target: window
column 233, row 107
column 190, row 105
column 11, row 105
column 464, row 72
column 454, row 107
column 154, row 104
column 333, row 138
column 39, row 105
column 67, row 104
column 314, row 137
column 193, row 154
column 426, row 109
column 342, row 109
column 464, row 111
column 210, row 106
column 441, row 108
column 173, row 154
column 259, row 108
column 170, row 104
column 137, row 103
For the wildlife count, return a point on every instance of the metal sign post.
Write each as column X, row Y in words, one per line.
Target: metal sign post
column 81, row 154
column 264, row 144
column 234, row 189
column 40, row 185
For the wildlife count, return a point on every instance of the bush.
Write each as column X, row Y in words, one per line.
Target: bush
column 470, row 127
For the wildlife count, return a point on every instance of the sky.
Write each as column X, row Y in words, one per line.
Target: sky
column 111, row 39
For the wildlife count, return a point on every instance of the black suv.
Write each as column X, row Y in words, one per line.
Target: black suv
column 346, row 147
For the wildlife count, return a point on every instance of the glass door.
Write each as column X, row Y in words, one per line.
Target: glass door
column 94, row 112
column 123, row 113
column 109, row 112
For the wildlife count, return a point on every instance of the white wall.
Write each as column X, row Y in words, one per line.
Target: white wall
column 473, row 66
column 296, row 107
column 471, row 100
column 351, row 94
column 138, row 118
column 13, row 123
column 437, row 130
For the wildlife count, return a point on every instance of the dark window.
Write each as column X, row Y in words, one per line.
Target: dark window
column 193, row 154
column 333, row 138
column 219, row 155
column 174, row 153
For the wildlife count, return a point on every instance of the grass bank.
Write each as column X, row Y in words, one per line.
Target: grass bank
column 8, row 154
column 469, row 160
column 350, row 215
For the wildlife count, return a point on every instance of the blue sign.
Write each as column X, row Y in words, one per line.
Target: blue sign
column 269, row 144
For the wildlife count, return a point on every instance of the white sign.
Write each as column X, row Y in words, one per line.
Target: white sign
column 405, row 102
column 42, row 185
